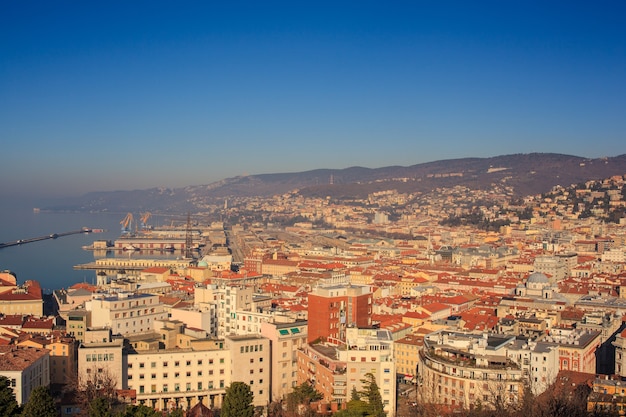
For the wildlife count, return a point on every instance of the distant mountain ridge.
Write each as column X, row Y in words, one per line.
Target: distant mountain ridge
column 526, row 173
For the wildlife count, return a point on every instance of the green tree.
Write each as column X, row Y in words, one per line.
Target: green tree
column 99, row 407
column 303, row 394
column 371, row 394
column 40, row 404
column 8, row 403
column 238, row 401
column 178, row 412
column 140, row 411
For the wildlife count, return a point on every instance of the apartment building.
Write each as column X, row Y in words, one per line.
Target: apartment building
column 460, row 370
column 335, row 370
column 126, row 313
column 285, row 340
column 26, row 299
column 175, row 367
column 337, row 307
column 26, row 368
column 62, row 354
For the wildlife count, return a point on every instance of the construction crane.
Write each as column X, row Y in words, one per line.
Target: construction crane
column 126, row 223
column 144, row 219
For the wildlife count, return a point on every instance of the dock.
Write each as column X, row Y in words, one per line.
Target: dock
column 50, row 236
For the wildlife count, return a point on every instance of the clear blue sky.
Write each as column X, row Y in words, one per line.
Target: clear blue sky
column 109, row 95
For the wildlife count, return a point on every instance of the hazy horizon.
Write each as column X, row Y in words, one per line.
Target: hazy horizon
column 123, row 96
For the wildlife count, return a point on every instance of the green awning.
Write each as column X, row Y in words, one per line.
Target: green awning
column 284, row 332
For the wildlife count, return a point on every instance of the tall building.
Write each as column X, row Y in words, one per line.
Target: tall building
column 285, row 339
column 335, row 370
column 332, row 309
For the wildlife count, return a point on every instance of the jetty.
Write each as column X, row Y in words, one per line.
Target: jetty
column 39, row 238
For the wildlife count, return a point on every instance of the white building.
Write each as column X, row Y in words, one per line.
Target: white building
column 126, row 313
column 26, row 369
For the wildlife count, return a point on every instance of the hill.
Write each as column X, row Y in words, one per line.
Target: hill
column 524, row 173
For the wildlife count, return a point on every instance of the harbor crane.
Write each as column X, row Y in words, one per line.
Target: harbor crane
column 127, row 222
column 144, row 220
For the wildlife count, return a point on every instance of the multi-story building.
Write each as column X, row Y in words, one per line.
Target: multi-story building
column 62, row 355
column 26, row 368
column 285, row 339
column 126, row 313
column 175, row 368
column 337, row 307
column 406, row 352
column 336, row 370
column 460, row 370
column 77, row 323
column 26, row 299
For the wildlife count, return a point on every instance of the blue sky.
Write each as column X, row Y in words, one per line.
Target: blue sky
column 98, row 96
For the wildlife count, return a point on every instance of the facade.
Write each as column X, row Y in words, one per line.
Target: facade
column 336, row 370
column 460, row 370
column 250, row 363
column 26, row 368
column 26, row 299
column 337, row 307
column 173, row 368
column 126, row 313
column 285, row 340
column 406, row 352
column 62, row 355
column 77, row 323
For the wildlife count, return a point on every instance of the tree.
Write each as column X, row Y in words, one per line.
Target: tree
column 99, row 407
column 8, row 403
column 302, row 395
column 140, row 411
column 371, row 394
column 238, row 401
column 40, row 404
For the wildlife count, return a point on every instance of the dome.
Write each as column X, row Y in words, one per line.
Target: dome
column 537, row 278
column 203, row 264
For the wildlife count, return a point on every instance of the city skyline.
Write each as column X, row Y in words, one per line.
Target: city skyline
column 121, row 97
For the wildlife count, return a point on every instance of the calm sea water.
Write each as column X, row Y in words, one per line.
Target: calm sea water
column 51, row 261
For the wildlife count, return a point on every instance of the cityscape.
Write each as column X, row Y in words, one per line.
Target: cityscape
column 293, row 209
column 462, row 301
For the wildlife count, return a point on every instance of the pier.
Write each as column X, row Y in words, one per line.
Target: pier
column 50, row 236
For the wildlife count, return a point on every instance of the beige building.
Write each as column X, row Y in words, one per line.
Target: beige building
column 126, row 313
column 26, row 369
column 461, row 370
column 285, row 339
column 176, row 367
column 250, row 363
column 406, row 352
column 62, row 355
column 26, row 299
column 335, row 370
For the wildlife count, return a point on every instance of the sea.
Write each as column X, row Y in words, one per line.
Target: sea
column 52, row 261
